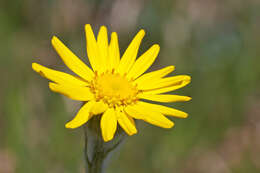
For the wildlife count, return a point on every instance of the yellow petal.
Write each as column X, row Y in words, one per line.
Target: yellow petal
column 82, row 116
column 164, row 97
column 98, row 108
column 92, row 49
column 126, row 122
column 57, row 76
column 144, row 62
column 114, row 53
column 164, row 82
column 154, row 75
column 169, row 88
column 108, row 124
column 130, row 54
column 164, row 110
column 71, row 60
column 152, row 117
column 73, row 92
column 129, row 110
column 102, row 42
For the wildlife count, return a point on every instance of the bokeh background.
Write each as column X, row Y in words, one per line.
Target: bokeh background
column 217, row 42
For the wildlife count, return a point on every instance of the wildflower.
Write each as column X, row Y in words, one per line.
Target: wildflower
column 115, row 88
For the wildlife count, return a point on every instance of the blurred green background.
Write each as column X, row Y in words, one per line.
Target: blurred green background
column 217, row 42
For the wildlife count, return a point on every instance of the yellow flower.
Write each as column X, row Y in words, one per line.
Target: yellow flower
column 116, row 87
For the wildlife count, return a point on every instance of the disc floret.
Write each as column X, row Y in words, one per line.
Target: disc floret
column 114, row 89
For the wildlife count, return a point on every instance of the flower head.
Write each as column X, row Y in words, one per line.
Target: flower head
column 116, row 87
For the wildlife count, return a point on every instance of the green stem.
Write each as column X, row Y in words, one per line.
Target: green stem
column 97, row 151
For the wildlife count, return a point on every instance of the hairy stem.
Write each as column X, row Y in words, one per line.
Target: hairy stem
column 97, row 152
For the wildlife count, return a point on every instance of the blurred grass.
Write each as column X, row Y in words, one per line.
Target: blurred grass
column 216, row 42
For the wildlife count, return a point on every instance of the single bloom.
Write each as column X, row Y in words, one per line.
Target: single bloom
column 115, row 88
